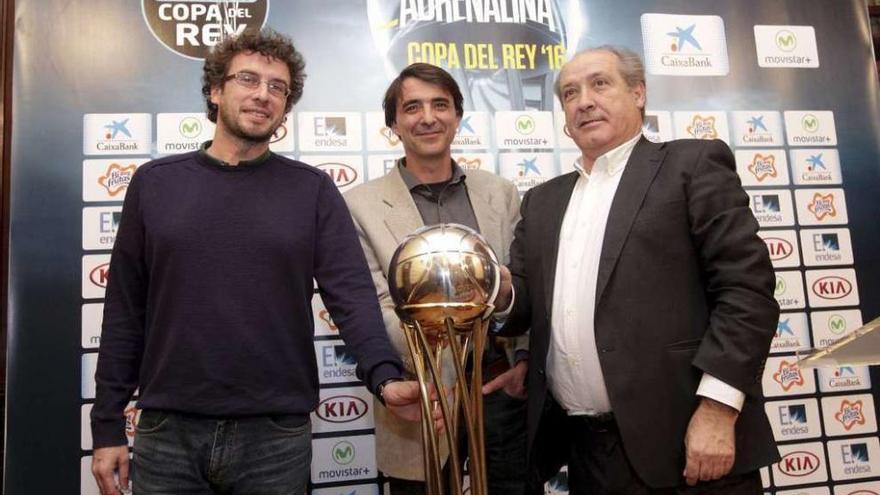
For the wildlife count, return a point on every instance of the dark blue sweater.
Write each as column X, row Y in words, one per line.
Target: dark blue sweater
column 207, row 308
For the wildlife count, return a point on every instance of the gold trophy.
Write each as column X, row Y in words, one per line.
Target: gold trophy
column 443, row 280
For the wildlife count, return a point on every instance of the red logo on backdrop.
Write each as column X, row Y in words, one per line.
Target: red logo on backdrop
column 99, row 275
column 117, row 178
column 832, row 287
column 132, row 415
column 280, row 133
column 779, row 248
column 788, row 375
column 341, row 409
column 324, row 315
column 799, row 463
column 341, row 173
column 850, row 414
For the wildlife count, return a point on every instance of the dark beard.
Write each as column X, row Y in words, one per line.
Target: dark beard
column 248, row 137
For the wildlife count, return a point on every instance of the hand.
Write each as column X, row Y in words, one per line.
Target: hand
column 402, row 399
column 502, row 300
column 106, row 461
column 513, row 381
column 710, row 442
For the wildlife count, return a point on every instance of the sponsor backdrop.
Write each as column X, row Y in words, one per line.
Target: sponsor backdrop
column 102, row 86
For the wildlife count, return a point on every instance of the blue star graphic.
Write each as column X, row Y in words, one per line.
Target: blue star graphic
column 846, row 370
column 784, row 327
column 757, row 123
column 530, row 165
column 815, row 162
column 685, row 36
column 116, row 127
column 466, row 125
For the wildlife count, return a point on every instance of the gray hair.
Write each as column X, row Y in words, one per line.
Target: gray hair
column 632, row 69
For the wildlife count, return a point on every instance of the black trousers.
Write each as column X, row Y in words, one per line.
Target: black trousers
column 598, row 465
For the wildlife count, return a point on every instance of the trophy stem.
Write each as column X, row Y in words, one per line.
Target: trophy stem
column 472, row 400
column 430, row 447
column 447, row 416
column 480, row 485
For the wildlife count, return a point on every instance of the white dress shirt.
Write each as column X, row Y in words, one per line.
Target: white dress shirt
column 574, row 374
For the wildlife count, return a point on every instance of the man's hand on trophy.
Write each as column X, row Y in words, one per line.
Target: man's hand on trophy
column 513, row 381
column 402, row 399
column 505, row 290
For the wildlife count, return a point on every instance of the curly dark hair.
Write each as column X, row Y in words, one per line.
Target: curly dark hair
column 428, row 73
column 266, row 42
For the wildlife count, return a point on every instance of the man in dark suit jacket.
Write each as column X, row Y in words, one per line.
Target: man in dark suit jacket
column 650, row 301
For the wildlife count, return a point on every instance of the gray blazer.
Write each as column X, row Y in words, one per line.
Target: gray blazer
column 384, row 213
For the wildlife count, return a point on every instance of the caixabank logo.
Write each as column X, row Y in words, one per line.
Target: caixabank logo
column 685, row 45
column 191, row 27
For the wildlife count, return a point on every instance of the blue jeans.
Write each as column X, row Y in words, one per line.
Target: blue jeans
column 176, row 454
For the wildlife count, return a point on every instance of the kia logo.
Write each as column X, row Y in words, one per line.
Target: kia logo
column 99, row 275
column 341, row 173
column 341, row 409
column 832, row 287
column 779, row 248
column 799, row 463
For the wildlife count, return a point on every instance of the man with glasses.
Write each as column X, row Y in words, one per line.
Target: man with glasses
column 208, row 312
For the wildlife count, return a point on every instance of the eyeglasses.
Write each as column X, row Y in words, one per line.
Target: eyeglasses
column 250, row 80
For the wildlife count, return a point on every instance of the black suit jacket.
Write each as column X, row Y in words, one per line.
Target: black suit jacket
column 685, row 286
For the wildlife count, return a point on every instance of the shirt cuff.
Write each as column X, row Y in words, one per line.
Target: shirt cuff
column 501, row 316
column 715, row 389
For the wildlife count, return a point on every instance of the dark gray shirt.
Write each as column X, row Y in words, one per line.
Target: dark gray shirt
column 444, row 202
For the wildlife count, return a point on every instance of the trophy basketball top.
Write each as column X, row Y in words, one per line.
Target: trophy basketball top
column 444, row 271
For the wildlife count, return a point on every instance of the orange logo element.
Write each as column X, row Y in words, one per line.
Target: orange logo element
column 763, row 166
column 117, row 178
column 822, row 206
column 703, row 128
column 788, row 375
column 389, row 136
column 850, row 414
column 466, row 164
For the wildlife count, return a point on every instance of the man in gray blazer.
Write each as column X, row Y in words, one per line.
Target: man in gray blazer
column 423, row 106
column 649, row 300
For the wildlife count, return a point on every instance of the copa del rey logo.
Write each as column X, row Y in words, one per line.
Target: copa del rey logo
column 850, row 414
column 832, row 287
column 788, row 375
column 341, row 409
column 799, row 463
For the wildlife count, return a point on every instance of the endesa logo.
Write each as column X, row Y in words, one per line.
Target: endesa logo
column 341, row 173
column 342, row 409
column 832, row 287
column 100, row 274
column 799, row 463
